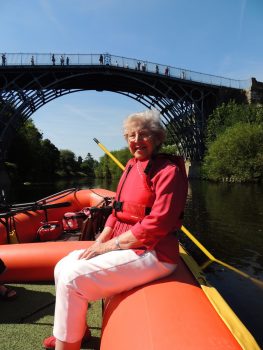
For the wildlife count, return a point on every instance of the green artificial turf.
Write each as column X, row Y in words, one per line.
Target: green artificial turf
column 26, row 321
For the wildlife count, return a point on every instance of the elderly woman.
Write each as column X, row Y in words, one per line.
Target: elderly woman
column 137, row 244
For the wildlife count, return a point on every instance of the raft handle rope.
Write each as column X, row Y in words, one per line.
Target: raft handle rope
column 33, row 207
column 63, row 194
column 106, row 199
column 191, row 237
column 7, row 207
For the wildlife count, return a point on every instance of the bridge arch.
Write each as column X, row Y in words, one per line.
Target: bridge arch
column 183, row 103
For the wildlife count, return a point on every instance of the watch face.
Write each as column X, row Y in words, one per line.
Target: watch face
column 117, row 243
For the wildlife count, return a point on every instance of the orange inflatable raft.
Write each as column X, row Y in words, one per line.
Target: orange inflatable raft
column 181, row 311
column 26, row 219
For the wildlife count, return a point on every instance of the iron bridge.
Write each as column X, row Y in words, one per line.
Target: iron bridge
column 184, row 98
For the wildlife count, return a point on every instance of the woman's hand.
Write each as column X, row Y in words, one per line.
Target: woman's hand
column 100, row 246
column 93, row 250
column 125, row 241
column 97, row 248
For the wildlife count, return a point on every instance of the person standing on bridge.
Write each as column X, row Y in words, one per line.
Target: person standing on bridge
column 101, row 59
column 137, row 244
column 183, row 76
column 32, row 61
column 3, row 59
column 53, row 59
column 62, row 60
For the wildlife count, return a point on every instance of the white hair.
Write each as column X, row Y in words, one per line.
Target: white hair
column 149, row 119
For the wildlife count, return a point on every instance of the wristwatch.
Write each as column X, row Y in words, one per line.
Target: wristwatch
column 117, row 243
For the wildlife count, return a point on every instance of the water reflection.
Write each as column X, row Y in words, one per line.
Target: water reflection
column 228, row 219
column 36, row 191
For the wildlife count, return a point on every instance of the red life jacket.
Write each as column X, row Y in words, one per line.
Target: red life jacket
column 139, row 196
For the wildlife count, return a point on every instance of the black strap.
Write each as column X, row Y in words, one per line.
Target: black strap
column 127, row 173
column 150, row 163
column 117, row 206
column 148, row 167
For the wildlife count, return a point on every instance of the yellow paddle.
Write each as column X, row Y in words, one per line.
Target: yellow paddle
column 189, row 235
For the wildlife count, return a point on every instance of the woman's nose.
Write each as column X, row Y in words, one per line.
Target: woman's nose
column 137, row 137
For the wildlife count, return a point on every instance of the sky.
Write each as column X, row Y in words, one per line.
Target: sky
column 219, row 37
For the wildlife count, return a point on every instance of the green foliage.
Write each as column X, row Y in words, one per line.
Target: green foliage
column 68, row 164
column 234, row 143
column 88, row 165
column 34, row 157
column 236, row 154
column 50, row 156
column 229, row 114
column 107, row 168
column 170, row 149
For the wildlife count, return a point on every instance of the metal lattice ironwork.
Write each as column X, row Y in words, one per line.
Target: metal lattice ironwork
column 184, row 104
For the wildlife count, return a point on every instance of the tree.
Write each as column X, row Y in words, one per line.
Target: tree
column 68, row 163
column 88, row 165
column 102, row 170
column 33, row 158
column 79, row 161
column 236, row 154
column 123, row 155
column 107, row 168
column 229, row 114
column 26, row 150
column 170, row 149
column 50, row 157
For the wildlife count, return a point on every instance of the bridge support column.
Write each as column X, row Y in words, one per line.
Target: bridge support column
column 193, row 169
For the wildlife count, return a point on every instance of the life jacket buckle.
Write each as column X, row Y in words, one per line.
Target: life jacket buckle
column 117, row 206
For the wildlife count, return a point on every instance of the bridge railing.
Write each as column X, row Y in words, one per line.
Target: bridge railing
column 58, row 59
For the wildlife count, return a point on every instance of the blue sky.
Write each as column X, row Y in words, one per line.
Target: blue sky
column 219, row 37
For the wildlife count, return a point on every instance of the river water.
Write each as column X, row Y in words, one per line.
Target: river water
column 228, row 220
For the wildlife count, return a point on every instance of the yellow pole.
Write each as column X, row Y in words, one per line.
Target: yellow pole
column 109, row 154
column 188, row 233
column 213, row 259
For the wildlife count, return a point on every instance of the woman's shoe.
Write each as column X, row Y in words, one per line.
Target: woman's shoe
column 6, row 293
column 50, row 342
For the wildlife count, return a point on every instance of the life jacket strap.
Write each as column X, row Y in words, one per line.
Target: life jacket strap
column 118, row 206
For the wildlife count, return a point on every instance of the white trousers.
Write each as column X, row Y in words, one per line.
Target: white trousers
column 79, row 281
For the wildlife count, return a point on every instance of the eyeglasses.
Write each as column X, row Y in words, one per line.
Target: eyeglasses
column 139, row 135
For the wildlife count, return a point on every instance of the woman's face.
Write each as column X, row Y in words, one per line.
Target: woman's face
column 141, row 141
